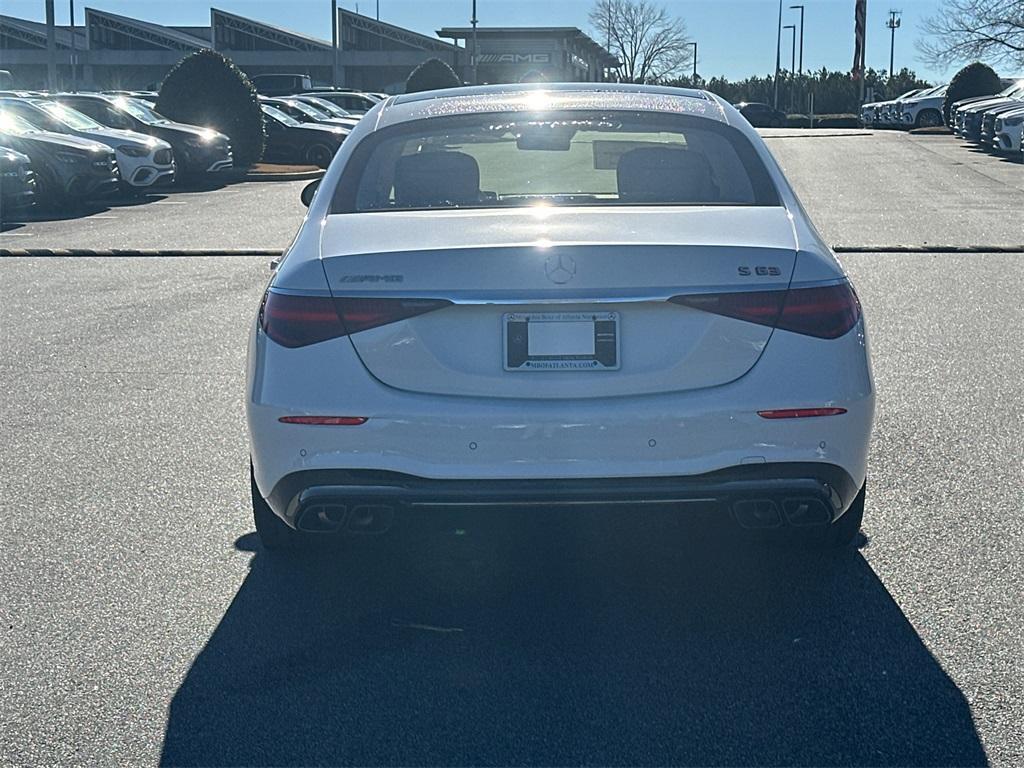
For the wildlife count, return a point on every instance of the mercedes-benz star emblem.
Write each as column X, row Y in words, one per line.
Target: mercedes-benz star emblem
column 560, row 268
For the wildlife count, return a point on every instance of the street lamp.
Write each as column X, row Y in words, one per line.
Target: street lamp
column 778, row 60
column 472, row 61
column 801, row 9
column 792, row 63
column 74, row 50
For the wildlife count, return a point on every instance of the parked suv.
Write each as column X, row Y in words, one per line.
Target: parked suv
column 761, row 115
column 1010, row 87
column 922, row 110
column 282, row 84
column 970, row 119
column 144, row 161
column 289, row 141
column 307, row 113
column 351, row 101
column 198, row 152
column 1007, row 131
column 68, row 170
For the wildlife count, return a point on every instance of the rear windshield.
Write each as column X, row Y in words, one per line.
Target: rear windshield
column 562, row 158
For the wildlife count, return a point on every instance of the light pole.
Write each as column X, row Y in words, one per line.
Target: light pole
column 472, row 61
column 778, row 59
column 792, row 62
column 694, row 44
column 893, row 24
column 74, row 51
column 51, row 48
column 335, row 43
column 792, row 50
column 801, row 8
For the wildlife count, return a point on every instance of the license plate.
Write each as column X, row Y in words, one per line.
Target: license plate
column 561, row 341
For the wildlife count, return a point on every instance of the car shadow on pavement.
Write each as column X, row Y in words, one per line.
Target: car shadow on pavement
column 620, row 638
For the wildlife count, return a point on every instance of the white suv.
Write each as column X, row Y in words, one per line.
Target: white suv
column 925, row 109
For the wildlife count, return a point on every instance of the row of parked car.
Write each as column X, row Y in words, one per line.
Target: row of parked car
column 918, row 108
column 995, row 122
column 63, row 149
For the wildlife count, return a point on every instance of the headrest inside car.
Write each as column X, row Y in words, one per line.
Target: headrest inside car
column 436, row 179
column 665, row 175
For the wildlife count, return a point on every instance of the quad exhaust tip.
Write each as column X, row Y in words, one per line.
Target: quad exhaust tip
column 339, row 518
column 757, row 513
column 806, row 512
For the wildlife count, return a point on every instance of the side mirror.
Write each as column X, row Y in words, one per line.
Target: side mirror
column 308, row 191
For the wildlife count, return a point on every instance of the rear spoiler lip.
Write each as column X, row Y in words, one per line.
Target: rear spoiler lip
column 471, row 297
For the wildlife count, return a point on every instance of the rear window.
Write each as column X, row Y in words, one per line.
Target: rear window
column 564, row 158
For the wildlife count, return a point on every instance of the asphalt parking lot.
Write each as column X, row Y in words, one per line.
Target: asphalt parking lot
column 142, row 622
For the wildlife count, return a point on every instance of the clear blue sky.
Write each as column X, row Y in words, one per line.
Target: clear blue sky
column 735, row 38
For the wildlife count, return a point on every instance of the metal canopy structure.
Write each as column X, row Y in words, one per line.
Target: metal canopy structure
column 372, row 29
column 32, row 34
column 104, row 28
column 229, row 30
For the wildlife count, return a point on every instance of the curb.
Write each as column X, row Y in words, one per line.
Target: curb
column 303, row 176
column 928, row 248
column 135, row 253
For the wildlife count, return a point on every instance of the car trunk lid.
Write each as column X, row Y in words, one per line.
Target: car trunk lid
column 480, row 270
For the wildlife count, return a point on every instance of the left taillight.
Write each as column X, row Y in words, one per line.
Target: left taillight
column 298, row 321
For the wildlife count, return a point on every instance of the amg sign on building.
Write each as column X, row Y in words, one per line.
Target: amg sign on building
column 506, row 54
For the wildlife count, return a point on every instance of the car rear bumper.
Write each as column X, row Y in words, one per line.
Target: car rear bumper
column 801, row 495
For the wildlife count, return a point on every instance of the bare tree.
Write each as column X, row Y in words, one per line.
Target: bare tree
column 650, row 44
column 967, row 30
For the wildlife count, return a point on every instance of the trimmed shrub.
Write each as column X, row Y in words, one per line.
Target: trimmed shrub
column 432, row 75
column 975, row 79
column 207, row 89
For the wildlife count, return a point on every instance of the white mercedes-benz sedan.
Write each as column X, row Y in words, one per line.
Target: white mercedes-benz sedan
column 557, row 295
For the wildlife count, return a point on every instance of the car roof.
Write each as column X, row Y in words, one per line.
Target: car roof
column 516, row 97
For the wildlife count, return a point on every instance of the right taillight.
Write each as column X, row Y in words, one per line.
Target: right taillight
column 297, row 321
column 826, row 312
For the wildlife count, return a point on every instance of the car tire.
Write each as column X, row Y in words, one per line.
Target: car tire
column 274, row 532
column 319, row 155
column 776, row 123
column 928, row 118
column 845, row 530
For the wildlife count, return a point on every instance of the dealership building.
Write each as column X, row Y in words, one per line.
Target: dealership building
column 117, row 52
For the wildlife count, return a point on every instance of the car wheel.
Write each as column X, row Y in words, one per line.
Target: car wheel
column 846, row 529
column 319, row 155
column 928, row 118
column 273, row 531
column 776, row 123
